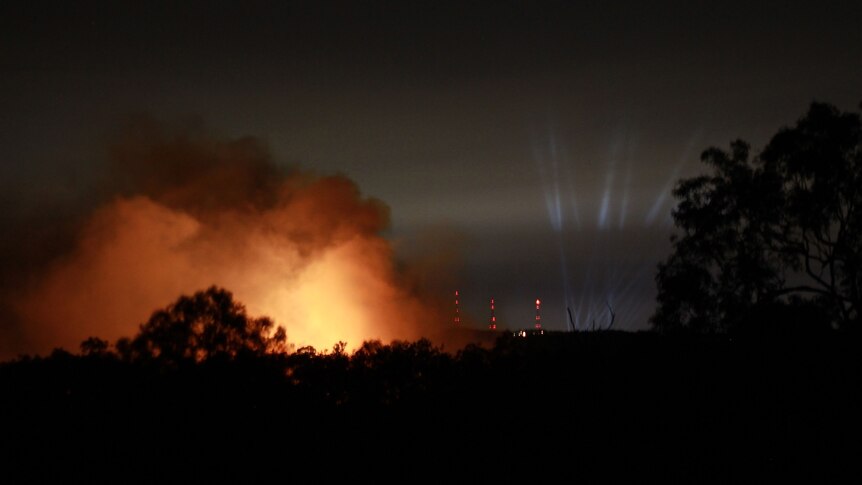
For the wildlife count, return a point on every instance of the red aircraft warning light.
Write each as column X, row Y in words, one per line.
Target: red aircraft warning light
column 457, row 310
column 492, row 325
column 538, row 314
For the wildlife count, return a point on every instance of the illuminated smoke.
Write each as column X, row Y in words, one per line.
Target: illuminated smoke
column 187, row 211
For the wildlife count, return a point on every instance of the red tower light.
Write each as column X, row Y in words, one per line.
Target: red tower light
column 492, row 325
column 538, row 314
column 457, row 310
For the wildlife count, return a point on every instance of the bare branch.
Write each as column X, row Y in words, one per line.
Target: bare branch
column 613, row 315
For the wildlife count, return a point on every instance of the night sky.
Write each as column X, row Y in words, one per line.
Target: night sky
column 539, row 139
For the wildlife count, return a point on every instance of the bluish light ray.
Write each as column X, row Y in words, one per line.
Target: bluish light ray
column 554, row 216
column 617, row 288
column 550, row 182
column 611, row 293
column 555, row 155
column 606, row 201
column 589, row 284
column 578, row 311
column 600, row 277
column 604, row 207
column 555, row 180
column 624, row 203
column 632, row 305
column 631, row 150
column 549, row 171
column 592, row 299
column 565, row 275
column 570, row 184
column 634, row 279
column 665, row 191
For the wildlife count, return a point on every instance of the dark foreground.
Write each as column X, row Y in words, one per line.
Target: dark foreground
column 567, row 406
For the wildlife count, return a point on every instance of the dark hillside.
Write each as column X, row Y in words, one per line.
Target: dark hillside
column 603, row 404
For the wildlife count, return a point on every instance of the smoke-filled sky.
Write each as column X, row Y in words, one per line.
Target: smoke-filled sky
column 530, row 147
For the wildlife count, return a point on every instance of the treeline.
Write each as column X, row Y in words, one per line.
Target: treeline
column 569, row 405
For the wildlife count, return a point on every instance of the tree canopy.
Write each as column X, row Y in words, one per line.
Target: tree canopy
column 206, row 325
column 777, row 231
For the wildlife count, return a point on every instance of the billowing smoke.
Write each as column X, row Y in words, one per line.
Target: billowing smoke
column 184, row 210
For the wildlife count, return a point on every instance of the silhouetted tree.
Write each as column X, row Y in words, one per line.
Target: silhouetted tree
column 206, row 325
column 94, row 346
column 757, row 231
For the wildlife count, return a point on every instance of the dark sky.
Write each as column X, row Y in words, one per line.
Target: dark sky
column 547, row 134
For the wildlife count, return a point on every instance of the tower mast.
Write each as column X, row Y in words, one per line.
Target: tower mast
column 538, row 314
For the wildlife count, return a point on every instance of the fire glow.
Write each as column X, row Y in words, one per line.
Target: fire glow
column 192, row 212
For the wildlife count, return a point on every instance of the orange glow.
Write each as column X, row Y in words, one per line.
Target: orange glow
column 303, row 250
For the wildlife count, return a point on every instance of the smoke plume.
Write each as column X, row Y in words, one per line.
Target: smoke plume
column 183, row 210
